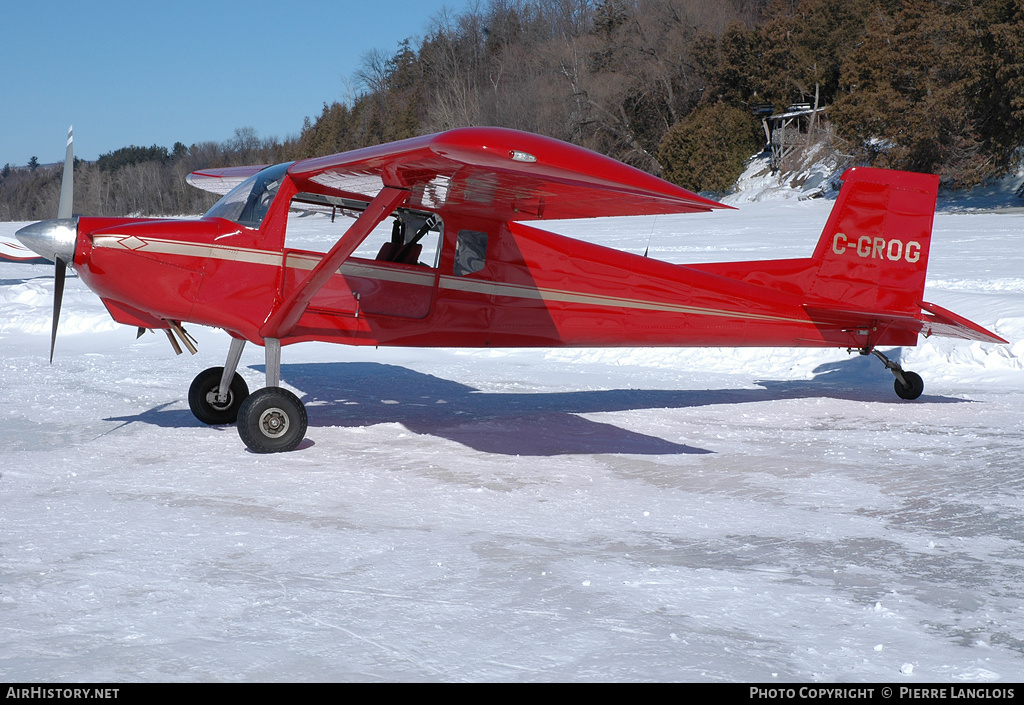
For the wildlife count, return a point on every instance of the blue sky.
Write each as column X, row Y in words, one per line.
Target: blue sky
column 147, row 73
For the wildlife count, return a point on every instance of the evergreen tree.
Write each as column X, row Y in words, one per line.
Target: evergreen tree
column 922, row 92
column 708, row 150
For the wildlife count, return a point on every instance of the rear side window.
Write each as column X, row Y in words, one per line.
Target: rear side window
column 470, row 252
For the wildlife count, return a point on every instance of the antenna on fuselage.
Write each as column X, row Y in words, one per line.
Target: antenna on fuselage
column 651, row 236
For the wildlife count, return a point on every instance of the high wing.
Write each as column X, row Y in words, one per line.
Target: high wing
column 495, row 173
column 220, row 181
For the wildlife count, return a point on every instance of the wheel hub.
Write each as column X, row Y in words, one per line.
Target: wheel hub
column 219, row 405
column 274, row 423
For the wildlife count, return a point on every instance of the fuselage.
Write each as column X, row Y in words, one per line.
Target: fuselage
column 528, row 287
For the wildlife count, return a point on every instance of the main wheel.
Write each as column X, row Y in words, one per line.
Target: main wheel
column 202, row 397
column 913, row 388
column 272, row 420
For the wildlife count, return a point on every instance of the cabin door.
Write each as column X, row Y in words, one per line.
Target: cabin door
column 393, row 273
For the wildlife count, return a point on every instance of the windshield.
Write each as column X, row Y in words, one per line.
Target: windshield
column 248, row 203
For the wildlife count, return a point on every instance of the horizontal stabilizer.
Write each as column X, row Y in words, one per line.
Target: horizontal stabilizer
column 933, row 320
column 939, row 321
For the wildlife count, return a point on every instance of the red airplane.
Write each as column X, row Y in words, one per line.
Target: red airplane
column 461, row 267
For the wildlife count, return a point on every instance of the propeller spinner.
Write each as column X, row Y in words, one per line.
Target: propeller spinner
column 56, row 239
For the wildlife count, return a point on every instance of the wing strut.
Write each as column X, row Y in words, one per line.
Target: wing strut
column 284, row 317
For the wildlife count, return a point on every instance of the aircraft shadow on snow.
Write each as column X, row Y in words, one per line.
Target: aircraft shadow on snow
column 356, row 394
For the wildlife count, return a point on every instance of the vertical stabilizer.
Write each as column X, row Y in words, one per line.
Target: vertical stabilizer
column 873, row 253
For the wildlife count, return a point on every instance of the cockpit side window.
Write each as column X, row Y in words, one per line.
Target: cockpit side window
column 408, row 231
column 247, row 204
column 407, row 236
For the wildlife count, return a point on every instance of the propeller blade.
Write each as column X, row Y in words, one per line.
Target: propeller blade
column 64, row 209
column 67, row 183
column 58, row 298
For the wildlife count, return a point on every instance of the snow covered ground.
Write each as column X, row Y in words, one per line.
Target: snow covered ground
column 528, row 515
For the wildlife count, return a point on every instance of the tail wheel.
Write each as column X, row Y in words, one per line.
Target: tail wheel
column 912, row 389
column 202, row 397
column 908, row 385
column 272, row 420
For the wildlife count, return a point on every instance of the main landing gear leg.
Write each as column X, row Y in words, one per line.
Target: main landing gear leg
column 908, row 385
column 217, row 393
column 272, row 419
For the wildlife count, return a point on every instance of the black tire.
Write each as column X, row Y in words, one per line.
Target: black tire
column 272, row 420
column 913, row 388
column 201, row 397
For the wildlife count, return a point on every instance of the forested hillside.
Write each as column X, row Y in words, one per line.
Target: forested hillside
column 665, row 85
